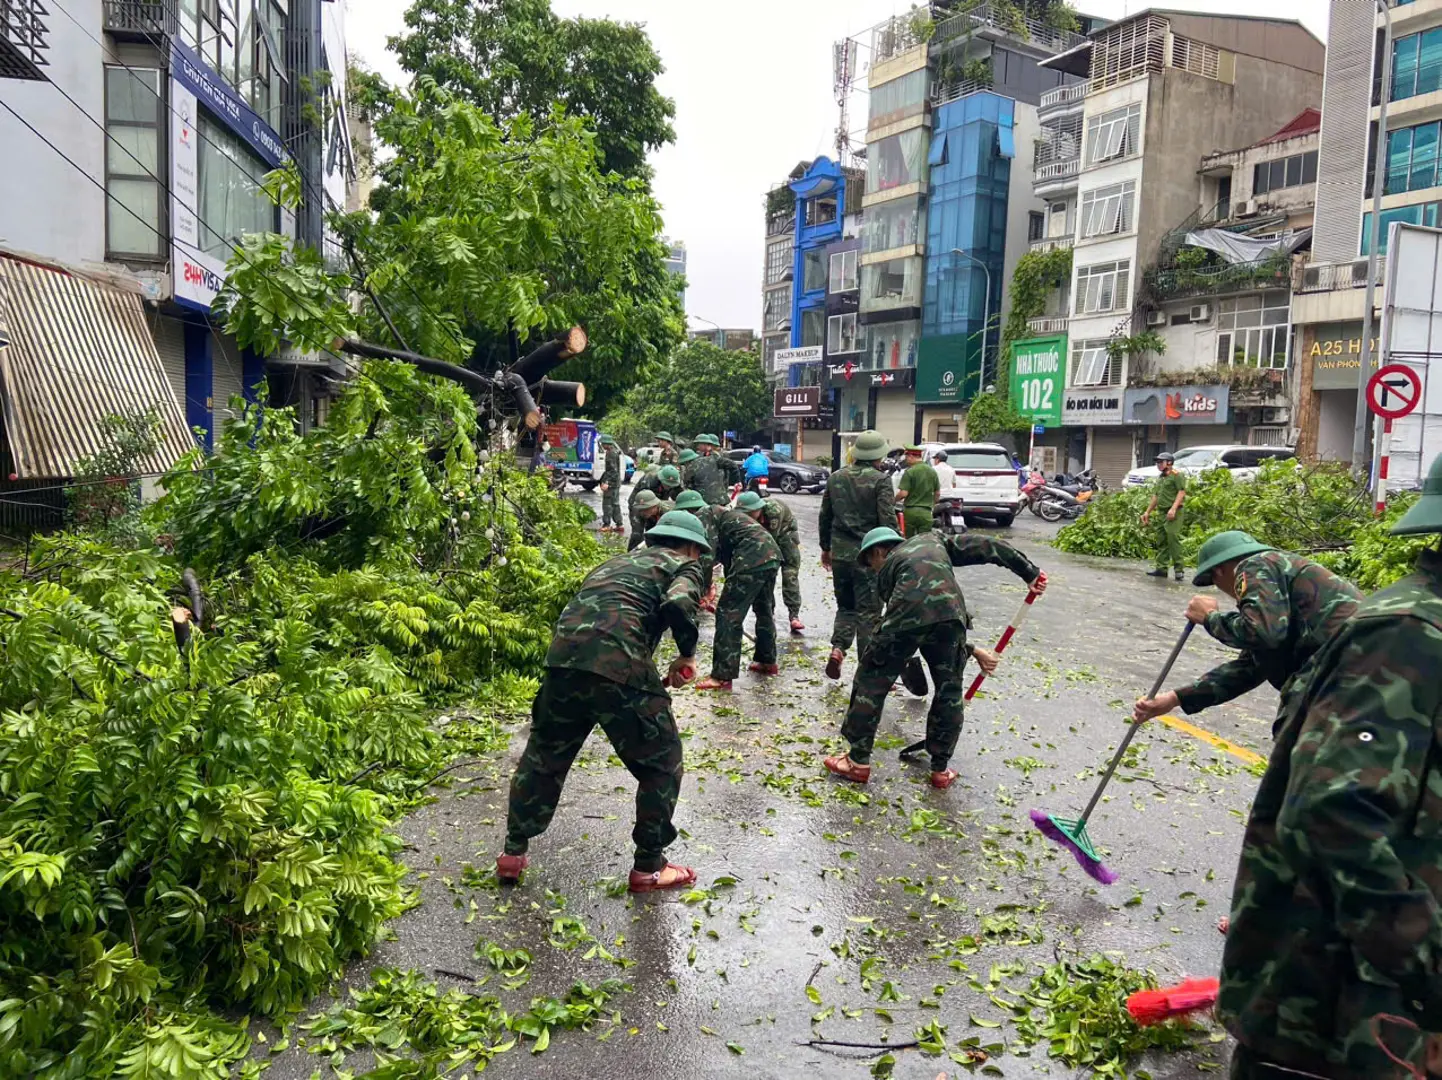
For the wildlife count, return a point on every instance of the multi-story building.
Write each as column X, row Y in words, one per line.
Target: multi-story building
column 676, row 264
column 778, row 270
column 828, row 201
column 1125, row 161
column 736, row 340
column 145, row 141
column 1328, row 306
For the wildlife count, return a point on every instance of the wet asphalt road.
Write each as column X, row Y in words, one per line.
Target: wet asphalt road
column 893, row 902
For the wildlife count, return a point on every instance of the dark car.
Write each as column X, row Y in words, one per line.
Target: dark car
column 787, row 474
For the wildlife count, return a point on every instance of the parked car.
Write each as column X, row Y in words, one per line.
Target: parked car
column 1243, row 461
column 787, row 474
column 985, row 478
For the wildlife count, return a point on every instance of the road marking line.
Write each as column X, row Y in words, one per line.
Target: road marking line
column 1251, row 757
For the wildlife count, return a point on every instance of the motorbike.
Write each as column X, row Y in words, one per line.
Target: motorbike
column 1067, row 497
column 947, row 515
column 1032, row 490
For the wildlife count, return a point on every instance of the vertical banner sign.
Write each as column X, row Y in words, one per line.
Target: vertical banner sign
column 1038, row 378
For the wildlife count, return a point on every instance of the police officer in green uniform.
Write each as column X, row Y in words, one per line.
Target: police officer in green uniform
column 600, row 670
column 919, row 485
column 1168, row 493
column 1335, row 947
column 857, row 499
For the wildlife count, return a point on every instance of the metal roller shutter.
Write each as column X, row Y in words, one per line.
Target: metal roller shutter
column 226, row 377
column 1112, row 456
column 1203, row 435
column 170, row 343
column 896, row 416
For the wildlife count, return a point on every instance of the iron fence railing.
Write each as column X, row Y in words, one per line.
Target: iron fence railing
column 23, row 44
column 1329, row 277
column 146, row 17
column 1178, row 281
column 1063, row 95
column 1009, row 19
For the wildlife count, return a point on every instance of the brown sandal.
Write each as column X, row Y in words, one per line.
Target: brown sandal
column 643, row 882
column 847, row 769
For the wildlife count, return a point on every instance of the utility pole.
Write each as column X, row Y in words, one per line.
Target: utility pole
column 1361, row 460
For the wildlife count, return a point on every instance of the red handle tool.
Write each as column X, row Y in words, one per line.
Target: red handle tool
column 1006, row 637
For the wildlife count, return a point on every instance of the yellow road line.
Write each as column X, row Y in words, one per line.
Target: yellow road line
column 1176, row 722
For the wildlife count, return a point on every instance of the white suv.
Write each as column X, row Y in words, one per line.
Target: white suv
column 1242, row 461
column 985, row 478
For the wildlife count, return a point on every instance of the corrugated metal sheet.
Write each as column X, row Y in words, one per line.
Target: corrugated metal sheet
column 74, row 353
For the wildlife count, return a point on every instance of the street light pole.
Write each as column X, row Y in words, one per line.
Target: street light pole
column 985, row 309
column 1361, row 462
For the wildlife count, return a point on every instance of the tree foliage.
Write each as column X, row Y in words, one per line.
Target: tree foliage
column 1314, row 510
column 510, row 57
column 200, row 819
column 702, row 388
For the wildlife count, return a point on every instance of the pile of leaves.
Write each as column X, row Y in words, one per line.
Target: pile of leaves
column 1317, row 510
column 195, row 807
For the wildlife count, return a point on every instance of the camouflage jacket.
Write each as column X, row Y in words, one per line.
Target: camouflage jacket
column 780, row 522
column 652, row 482
column 711, row 475
column 612, row 626
column 737, row 543
column 1288, row 607
column 667, row 457
column 638, row 534
column 857, row 499
column 1335, row 914
column 611, row 472
column 917, row 584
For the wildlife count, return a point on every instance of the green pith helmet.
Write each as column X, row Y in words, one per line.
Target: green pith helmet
column 709, row 440
column 749, row 502
column 882, row 534
column 606, row 440
column 1426, row 514
column 664, row 436
column 685, row 457
column 870, row 446
column 682, row 526
column 690, row 500
column 671, row 476
column 1223, row 548
column 647, row 500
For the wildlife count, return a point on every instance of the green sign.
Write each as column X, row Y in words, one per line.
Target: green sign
column 1038, row 378
column 946, row 370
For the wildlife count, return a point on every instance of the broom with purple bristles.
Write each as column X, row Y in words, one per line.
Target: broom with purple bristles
column 1072, row 834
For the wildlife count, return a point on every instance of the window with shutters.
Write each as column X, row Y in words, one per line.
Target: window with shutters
column 1114, row 135
column 1092, row 365
column 1109, row 210
column 1103, row 287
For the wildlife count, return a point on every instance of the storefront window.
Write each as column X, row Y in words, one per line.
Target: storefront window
column 896, row 160
column 891, row 345
column 232, row 202
column 893, row 225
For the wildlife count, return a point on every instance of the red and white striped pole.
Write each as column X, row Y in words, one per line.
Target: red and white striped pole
column 1381, row 507
column 1006, row 637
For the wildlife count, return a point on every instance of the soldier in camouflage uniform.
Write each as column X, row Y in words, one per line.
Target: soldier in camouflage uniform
column 780, row 522
column 646, row 510
column 668, row 448
column 857, row 499
column 664, row 483
column 600, row 670
column 611, row 487
column 685, row 460
column 1288, row 607
column 1336, row 936
column 925, row 610
column 751, row 559
column 713, row 473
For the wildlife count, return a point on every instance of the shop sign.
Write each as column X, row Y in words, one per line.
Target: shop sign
column 806, row 354
column 946, row 370
column 1336, row 355
column 797, row 401
column 1171, row 405
column 1090, row 406
column 1038, row 372
column 896, row 378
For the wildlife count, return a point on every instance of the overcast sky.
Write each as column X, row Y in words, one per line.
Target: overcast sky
column 752, row 84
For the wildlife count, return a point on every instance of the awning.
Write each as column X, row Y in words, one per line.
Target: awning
column 72, row 352
column 1239, row 248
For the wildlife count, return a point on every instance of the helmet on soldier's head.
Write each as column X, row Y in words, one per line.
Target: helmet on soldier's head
column 870, row 446
column 685, row 457
column 1426, row 513
column 749, row 502
column 647, row 500
column 679, row 525
column 1225, row 547
column 882, row 534
column 664, row 436
column 706, row 440
column 671, row 476
column 606, row 440
column 690, row 500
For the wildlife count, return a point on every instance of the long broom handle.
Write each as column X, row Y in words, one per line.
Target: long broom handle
column 1127, row 739
column 1006, row 637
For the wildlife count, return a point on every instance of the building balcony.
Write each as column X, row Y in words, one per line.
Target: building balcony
column 1051, row 243
column 1002, row 19
column 1047, row 324
column 945, row 95
column 139, row 20
column 23, row 44
column 1329, row 277
column 1052, row 171
column 1062, row 97
column 1179, row 281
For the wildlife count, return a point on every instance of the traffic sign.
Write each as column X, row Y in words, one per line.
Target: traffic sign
column 1394, row 391
column 797, row 401
column 1038, row 429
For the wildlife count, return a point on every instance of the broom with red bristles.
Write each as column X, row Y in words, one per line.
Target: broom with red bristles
column 1169, row 1002
column 1072, row 835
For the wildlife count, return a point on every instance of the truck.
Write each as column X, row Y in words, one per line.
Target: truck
column 570, row 453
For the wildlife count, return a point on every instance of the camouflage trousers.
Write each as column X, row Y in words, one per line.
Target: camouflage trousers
column 754, row 590
column 791, row 585
column 643, row 733
column 1167, row 539
column 943, row 646
column 918, row 520
column 611, row 505
column 858, row 606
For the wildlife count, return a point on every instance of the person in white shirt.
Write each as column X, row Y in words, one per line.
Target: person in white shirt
column 945, row 474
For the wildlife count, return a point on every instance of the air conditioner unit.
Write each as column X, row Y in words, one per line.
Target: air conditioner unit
column 1200, row 312
column 1312, row 277
column 1156, row 318
column 1279, row 414
column 1359, row 272
column 1246, row 207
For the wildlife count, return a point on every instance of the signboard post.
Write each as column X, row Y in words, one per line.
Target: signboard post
column 1392, row 392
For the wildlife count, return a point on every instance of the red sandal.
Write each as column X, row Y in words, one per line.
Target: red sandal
column 833, row 664
column 714, row 684
column 644, row 882
column 766, row 669
column 510, row 867
column 943, row 780
column 847, row 769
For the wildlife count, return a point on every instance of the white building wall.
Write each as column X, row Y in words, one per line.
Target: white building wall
column 1021, row 199
column 46, row 206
